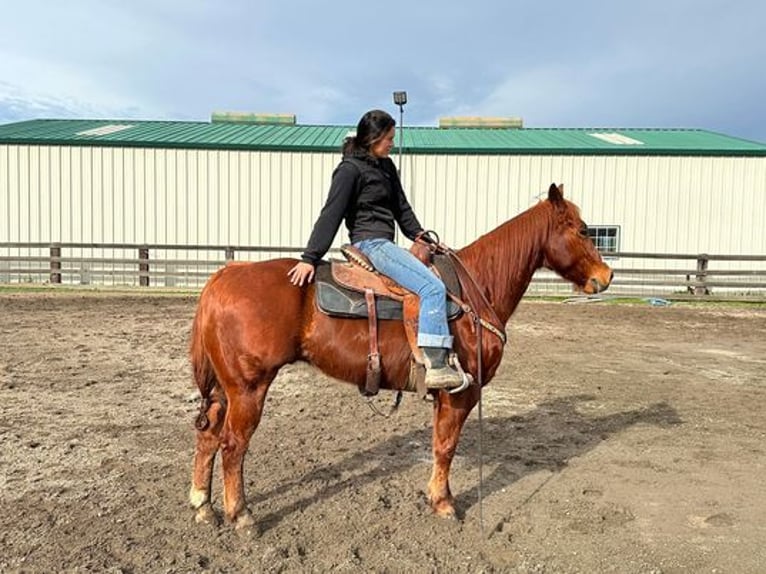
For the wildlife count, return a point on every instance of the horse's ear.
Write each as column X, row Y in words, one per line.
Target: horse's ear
column 556, row 193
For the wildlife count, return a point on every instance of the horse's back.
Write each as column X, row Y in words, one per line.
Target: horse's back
column 245, row 279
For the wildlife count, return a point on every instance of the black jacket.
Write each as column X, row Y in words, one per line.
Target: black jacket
column 367, row 193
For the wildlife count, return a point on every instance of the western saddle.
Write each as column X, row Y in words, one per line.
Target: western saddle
column 353, row 288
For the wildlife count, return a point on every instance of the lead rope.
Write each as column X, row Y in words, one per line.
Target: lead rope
column 481, row 429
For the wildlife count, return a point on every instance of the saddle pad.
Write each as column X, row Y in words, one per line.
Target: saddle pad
column 336, row 300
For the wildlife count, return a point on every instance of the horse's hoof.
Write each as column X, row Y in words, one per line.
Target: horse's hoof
column 245, row 524
column 447, row 514
column 206, row 515
column 444, row 509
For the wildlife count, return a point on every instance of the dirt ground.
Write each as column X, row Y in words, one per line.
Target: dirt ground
column 616, row 438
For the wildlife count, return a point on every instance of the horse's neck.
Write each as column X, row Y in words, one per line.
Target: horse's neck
column 504, row 260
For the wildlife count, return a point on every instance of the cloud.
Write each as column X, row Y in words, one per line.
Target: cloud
column 18, row 104
column 689, row 63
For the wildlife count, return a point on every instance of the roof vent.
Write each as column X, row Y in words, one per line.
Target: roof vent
column 250, row 118
column 104, row 130
column 617, row 139
column 481, row 122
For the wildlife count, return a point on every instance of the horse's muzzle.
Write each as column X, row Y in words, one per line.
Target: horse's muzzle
column 601, row 284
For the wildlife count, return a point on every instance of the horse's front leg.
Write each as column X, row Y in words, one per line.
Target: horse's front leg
column 450, row 413
column 243, row 414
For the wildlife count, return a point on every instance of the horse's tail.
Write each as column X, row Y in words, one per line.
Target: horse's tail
column 202, row 370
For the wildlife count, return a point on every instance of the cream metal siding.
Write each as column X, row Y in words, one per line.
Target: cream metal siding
column 134, row 195
column 672, row 204
column 662, row 204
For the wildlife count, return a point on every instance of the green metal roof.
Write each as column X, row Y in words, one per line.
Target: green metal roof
column 417, row 139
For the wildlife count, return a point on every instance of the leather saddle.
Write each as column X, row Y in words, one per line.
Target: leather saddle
column 341, row 286
column 353, row 289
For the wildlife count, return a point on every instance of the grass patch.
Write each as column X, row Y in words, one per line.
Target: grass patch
column 82, row 290
column 710, row 301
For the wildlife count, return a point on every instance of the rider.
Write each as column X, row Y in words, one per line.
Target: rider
column 367, row 193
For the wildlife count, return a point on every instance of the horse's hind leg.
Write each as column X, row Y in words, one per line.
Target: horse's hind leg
column 209, row 425
column 242, row 417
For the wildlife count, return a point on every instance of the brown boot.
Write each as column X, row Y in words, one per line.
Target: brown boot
column 438, row 374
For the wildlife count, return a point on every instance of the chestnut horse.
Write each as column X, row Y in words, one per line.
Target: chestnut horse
column 251, row 321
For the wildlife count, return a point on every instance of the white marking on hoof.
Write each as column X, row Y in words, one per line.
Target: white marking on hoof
column 197, row 497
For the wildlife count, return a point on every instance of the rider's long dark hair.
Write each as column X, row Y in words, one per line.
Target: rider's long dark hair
column 373, row 126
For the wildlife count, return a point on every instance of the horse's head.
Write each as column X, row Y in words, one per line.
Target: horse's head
column 570, row 252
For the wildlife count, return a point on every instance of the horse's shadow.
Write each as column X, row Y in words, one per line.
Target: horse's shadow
column 513, row 446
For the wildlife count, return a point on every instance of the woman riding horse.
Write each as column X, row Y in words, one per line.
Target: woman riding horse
column 367, row 193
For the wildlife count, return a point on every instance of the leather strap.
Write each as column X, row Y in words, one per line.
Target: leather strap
column 493, row 325
column 372, row 383
column 469, row 285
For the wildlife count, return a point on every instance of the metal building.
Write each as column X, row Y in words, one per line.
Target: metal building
column 233, row 183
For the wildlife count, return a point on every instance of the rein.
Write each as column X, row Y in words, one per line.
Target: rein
column 478, row 323
column 494, row 326
column 481, row 429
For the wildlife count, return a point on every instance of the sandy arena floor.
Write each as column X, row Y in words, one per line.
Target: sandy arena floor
column 617, row 438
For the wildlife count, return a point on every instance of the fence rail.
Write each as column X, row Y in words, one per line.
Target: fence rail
column 699, row 276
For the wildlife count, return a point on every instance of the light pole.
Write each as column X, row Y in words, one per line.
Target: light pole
column 400, row 98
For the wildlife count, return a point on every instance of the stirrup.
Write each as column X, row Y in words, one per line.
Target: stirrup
column 467, row 378
column 442, row 378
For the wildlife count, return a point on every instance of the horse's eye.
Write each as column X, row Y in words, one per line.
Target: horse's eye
column 584, row 231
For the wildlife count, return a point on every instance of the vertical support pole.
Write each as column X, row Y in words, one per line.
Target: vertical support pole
column 400, row 98
column 229, row 254
column 55, row 264
column 401, row 141
column 702, row 261
column 143, row 266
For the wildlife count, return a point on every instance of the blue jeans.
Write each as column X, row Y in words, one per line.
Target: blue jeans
column 404, row 268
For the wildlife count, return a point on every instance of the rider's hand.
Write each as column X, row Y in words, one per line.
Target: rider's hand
column 302, row 273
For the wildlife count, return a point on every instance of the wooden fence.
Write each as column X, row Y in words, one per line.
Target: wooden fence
column 677, row 276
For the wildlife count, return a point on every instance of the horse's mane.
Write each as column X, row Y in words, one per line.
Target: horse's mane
column 504, row 259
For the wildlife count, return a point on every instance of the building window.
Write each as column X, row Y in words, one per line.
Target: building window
column 605, row 237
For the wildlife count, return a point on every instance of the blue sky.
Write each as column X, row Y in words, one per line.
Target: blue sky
column 555, row 63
